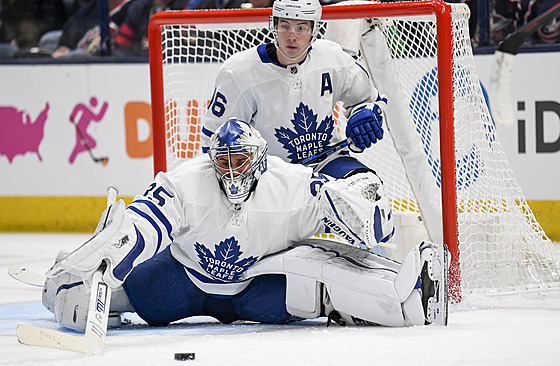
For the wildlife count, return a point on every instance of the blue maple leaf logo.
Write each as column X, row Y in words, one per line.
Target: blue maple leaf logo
column 234, row 189
column 308, row 137
column 224, row 265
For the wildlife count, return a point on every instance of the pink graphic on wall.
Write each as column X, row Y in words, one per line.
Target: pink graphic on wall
column 18, row 135
column 84, row 141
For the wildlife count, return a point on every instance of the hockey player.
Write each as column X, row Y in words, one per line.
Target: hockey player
column 206, row 239
column 288, row 90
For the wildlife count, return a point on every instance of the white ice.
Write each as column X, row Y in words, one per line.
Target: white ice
column 524, row 332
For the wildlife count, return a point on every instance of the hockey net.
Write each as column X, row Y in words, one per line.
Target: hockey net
column 443, row 165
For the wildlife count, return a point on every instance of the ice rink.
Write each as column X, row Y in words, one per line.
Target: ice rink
column 511, row 332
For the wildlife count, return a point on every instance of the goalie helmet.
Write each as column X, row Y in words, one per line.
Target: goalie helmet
column 297, row 9
column 239, row 157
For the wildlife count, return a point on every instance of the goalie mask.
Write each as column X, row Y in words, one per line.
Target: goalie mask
column 296, row 9
column 238, row 154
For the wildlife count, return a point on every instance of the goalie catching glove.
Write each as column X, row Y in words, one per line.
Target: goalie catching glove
column 357, row 209
column 365, row 125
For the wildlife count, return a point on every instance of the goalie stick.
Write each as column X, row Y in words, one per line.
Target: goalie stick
column 25, row 275
column 93, row 340
column 502, row 66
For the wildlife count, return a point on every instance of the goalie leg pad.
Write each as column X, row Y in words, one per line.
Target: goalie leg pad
column 67, row 296
column 356, row 282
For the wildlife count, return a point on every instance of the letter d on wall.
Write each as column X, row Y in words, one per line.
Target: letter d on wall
column 540, row 109
column 134, row 113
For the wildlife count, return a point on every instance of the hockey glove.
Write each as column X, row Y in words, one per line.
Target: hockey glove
column 364, row 127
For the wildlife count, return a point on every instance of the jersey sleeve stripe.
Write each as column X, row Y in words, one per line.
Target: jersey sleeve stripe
column 161, row 217
column 151, row 221
column 207, row 132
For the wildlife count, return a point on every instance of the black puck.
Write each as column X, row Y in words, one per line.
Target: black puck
column 184, row 356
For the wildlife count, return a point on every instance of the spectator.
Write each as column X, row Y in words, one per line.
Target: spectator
column 132, row 37
column 81, row 36
column 229, row 4
column 23, row 22
column 510, row 15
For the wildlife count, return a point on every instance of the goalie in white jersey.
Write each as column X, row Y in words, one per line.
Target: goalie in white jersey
column 288, row 90
column 226, row 235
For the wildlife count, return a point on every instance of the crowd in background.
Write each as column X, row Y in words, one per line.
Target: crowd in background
column 70, row 28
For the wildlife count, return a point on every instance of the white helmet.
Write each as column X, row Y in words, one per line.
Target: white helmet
column 297, row 9
column 239, row 156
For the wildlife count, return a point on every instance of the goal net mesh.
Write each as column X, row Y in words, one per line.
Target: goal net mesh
column 502, row 246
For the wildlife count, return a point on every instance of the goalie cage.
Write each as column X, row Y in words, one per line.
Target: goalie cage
column 443, row 166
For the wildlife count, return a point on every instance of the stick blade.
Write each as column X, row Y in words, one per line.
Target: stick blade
column 42, row 337
column 22, row 274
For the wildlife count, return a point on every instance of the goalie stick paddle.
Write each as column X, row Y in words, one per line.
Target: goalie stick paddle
column 501, row 103
column 92, row 342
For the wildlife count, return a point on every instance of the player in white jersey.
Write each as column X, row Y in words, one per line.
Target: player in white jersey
column 226, row 235
column 288, row 90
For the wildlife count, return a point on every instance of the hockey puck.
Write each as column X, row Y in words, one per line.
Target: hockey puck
column 184, row 356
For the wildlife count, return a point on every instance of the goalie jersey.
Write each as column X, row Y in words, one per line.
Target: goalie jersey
column 291, row 106
column 214, row 241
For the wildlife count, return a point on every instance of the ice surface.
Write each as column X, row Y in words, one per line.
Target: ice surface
column 523, row 332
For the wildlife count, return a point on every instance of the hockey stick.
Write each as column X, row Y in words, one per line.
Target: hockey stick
column 314, row 159
column 103, row 160
column 502, row 67
column 25, row 275
column 93, row 340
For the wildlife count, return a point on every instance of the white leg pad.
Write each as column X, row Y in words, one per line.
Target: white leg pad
column 68, row 297
column 413, row 309
column 407, row 277
column 358, row 283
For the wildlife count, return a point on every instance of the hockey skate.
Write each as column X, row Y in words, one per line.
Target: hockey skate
column 434, row 277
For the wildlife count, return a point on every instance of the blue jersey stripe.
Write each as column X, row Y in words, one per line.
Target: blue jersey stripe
column 151, row 221
column 207, row 132
column 161, row 217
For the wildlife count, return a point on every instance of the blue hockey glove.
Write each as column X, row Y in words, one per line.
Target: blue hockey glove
column 364, row 127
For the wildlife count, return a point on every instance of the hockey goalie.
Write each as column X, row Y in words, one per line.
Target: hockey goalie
column 226, row 235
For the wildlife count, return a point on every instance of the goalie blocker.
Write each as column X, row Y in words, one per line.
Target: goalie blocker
column 323, row 278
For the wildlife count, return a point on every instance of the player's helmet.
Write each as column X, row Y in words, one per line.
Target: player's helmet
column 239, row 156
column 297, row 9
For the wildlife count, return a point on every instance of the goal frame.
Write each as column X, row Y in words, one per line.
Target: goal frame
column 437, row 8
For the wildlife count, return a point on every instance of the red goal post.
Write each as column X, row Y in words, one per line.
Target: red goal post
column 474, row 226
